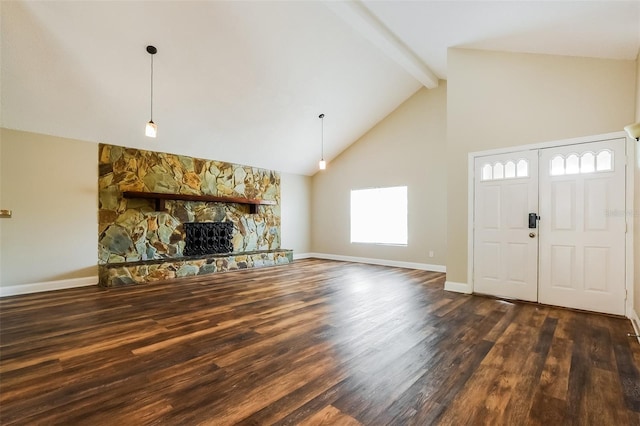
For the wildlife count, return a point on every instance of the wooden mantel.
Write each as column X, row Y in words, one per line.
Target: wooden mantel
column 160, row 198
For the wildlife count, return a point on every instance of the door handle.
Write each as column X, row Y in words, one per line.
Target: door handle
column 532, row 234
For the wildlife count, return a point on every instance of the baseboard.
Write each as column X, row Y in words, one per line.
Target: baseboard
column 635, row 321
column 457, row 287
column 383, row 262
column 15, row 290
column 297, row 256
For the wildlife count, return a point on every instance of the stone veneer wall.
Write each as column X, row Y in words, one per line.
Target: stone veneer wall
column 118, row 274
column 131, row 230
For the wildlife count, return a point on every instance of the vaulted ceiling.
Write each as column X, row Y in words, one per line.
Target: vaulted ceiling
column 245, row 81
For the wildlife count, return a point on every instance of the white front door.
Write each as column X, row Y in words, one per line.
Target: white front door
column 582, row 226
column 505, row 256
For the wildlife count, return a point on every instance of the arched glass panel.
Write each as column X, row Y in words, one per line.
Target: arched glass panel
column 510, row 170
column 487, row 172
column 572, row 165
column 587, row 162
column 498, row 171
column 604, row 160
column 523, row 168
column 557, row 165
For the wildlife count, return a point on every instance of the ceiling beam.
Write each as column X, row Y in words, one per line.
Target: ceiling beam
column 363, row 21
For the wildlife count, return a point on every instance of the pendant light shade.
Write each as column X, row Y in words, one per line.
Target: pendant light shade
column 322, row 165
column 151, row 129
column 633, row 130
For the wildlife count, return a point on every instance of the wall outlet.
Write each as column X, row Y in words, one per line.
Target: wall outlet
column 430, row 253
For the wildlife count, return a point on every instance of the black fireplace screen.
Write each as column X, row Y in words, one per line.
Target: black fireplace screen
column 207, row 238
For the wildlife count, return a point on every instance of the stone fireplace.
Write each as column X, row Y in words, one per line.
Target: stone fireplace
column 152, row 204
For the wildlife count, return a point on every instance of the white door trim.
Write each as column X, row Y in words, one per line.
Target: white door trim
column 460, row 287
column 630, row 147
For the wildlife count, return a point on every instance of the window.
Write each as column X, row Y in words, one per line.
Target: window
column 379, row 215
column 588, row 162
column 510, row 170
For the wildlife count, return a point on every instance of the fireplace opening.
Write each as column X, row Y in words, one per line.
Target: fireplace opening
column 207, row 238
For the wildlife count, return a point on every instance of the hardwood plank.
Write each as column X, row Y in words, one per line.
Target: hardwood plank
column 547, row 410
column 554, row 380
column 330, row 416
column 294, row 401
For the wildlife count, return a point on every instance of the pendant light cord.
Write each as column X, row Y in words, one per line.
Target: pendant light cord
column 322, row 137
column 151, row 87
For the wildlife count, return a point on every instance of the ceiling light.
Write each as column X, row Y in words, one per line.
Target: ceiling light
column 323, row 164
column 633, row 130
column 151, row 129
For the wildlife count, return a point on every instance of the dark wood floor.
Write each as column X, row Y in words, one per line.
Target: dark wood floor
column 315, row 342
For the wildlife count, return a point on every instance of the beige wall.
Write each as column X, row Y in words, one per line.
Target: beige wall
column 2, row 204
column 498, row 100
column 406, row 148
column 295, row 208
column 636, row 204
column 50, row 183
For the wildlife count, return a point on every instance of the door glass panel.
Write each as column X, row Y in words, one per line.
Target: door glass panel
column 587, row 162
column 487, row 172
column 510, row 169
column 604, row 161
column 557, row 165
column 498, row 171
column 572, row 164
column 523, row 168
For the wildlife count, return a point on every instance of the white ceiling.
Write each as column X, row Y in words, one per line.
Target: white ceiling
column 245, row 81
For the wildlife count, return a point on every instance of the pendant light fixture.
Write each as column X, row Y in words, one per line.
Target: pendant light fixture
column 323, row 164
column 151, row 129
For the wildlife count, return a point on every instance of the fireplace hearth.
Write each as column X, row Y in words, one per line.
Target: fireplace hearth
column 208, row 238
